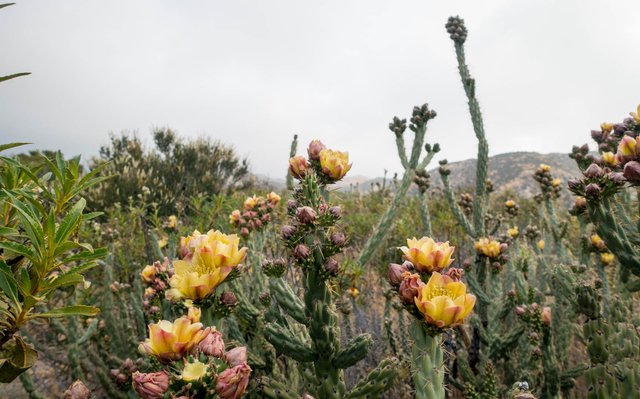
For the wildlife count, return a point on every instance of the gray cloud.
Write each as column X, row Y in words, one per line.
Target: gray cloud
column 253, row 73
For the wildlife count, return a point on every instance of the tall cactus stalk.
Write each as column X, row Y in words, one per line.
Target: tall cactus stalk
column 292, row 152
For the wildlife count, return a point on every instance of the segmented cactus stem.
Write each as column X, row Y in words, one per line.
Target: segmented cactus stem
column 292, row 153
column 428, row 363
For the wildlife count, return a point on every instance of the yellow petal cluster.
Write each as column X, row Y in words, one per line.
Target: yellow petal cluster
column 513, row 232
column 335, row 164
column 211, row 257
column 148, row 274
column 273, row 198
column 171, row 341
column 541, row 245
column 636, row 115
column 544, row 167
column 428, row 255
column 444, row 302
column 172, row 222
column 609, row 158
column 194, row 371
column 598, row 242
column 487, row 247
column 251, row 202
column 607, row 258
column 510, row 203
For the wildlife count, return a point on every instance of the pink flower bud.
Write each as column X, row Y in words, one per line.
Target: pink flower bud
column 212, row 345
column 314, row 149
column 409, row 287
column 335, row 211
column 632, row 171
column 301, row 251
column 77, row 390
column 520, row 310
column 287, row 231
column 455, row 274
column 332, row 266
column 306, row 214
column 395, row 274
column 237, row 356
column 151, row 385
column 546, row 316
column 232, row 382
column 338, row 239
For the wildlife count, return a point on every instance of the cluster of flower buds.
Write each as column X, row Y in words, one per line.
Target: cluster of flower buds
column 193, row 363
column 598, row 182
column 456, row 29
column 274, row 267
column 488, row 186
column 511, row 208
column 549, row 185
column 536, row 318
column 439, row 299
column 256, row 213
column 494, row 250
column 420, row 116
column 532, row 232
column 122, row 375
column 423, row 180
column 156, row 280
column 329, row 165
column 466, row 203
column 398, row 126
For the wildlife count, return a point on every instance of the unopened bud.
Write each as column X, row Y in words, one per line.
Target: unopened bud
column 287, row 231
column 332, row 266
column 228, row 298
column 592, row 190
column 314, row 149
column 594, row 171
column 335, row 211
column 301, row 251
column 395, row 274
column 632, row 172
column 338, row 239
column 306, row 214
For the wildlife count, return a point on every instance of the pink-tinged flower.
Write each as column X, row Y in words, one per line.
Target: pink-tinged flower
column 236, row 356
column 335, row 164
column 234, row 217
column 298, row 166
column 410, row 286
column 212, row 345
column 444, row 302
column 428, row 255
column 232, row 383
column 273, row 198
column 314, row 149
column 151, row 385
column 628, row 149
column 148, row 274
column 171, row 341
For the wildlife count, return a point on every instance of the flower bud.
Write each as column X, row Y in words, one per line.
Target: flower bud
column 287, row 231
column 520, row 310
column 594, row 171
column 212, row 345
column 332, row 266
column 592, row 190
column 232, row 382
column 151, row 385
column 292, row 205
column 338, row 239
column 335, row 211
column 395, row 274
column 455, row 273
column 244, row 232
column 236, row 356
column 314, row 150
column 632, row 172
column 618, row 178
column 409, row 287
column 301, row 251
column 228, row 298
column 546, row 316
column 306, row 214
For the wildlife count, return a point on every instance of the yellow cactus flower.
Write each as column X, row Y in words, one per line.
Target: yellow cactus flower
column 214, row 256
column 513, row 232
column 251, row 203
column 194, row 314
column 353, row 291
column 234, row 216
column 172, row 222
column 273, row 198
column 428, row 255
column 148, row 274
column 171, row 341
column 510, row 203
column 598, row 242
column 609, row 158
column 606, row 127
column 628, row 147
column 193, row 371
column 544, row 167
column 556, row 182
column 163, row 242
column 487, row 247
column 298, row 166
column 607, row 258
column 636, row 115
column 540, row 245
column 444, row 302
column 335, row 164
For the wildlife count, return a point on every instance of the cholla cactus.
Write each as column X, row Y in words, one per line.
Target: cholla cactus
column 315, row 242
column 438, row 305
column 257, row 212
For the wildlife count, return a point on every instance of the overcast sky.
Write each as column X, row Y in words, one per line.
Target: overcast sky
column 253, row 73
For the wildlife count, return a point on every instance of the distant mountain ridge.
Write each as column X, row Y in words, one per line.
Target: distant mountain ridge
column 511, row 171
